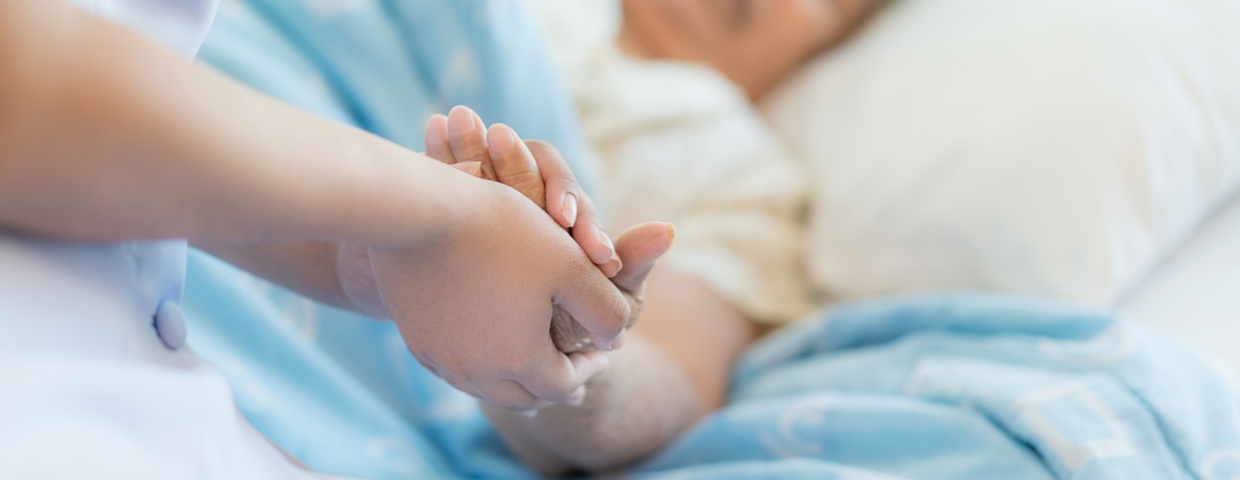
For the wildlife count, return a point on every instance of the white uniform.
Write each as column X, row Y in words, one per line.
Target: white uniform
column 95, row 379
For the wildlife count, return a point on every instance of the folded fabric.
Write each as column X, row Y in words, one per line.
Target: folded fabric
column 966, row 386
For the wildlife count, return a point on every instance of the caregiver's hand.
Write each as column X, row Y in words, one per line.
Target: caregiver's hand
column 462, row 138
column 500, row 154
column 474, row 304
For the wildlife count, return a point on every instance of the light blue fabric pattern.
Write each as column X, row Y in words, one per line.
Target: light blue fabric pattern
column 952, row 386
column 968, row 386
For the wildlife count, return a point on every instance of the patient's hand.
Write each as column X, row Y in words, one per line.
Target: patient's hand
column 537, row 170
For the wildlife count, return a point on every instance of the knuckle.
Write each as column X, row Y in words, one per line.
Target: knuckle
column 469, row 147
column 458, row 367
column 523, row 177
column 518, row 366
column 557, row 390
column 552, row 163
column 565, row 177
column 474, row 153
column 531, row 189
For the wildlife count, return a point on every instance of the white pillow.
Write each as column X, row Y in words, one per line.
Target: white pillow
column 1055, row 147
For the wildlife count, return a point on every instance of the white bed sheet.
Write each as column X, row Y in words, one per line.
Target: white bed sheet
column 1194, row 296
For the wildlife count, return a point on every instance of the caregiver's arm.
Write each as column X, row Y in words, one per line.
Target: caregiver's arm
column 107, row 136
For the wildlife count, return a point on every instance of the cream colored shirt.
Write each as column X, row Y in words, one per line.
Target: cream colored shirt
column 678, row 142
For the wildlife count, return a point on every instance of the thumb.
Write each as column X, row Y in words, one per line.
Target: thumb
column 596, row 304
column 639, row 247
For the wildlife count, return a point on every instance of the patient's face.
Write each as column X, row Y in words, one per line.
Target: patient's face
column 756, row 43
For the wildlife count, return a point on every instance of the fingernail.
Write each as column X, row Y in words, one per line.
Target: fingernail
column 504, row 139
column 612, row 266
column 569, row 209
column 605, row 241
column 460, row 119
column 474, row 169
column 528, row 413
column 477, row 120
column 431, row 130
column 619, row 341
column 577, row 398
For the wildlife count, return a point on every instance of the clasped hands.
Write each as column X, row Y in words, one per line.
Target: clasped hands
column 517, row 303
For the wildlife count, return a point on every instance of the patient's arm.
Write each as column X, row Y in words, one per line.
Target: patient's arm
column 673, row 370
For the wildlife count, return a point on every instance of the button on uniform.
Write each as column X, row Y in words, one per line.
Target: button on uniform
column 170, row 325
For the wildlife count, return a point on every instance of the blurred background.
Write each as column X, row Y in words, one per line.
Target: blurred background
column 1082, row 150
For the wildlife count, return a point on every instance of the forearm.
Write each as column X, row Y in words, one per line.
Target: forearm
column 105, row 136
column 306, row 267
column 638, row 405
column 673, row 370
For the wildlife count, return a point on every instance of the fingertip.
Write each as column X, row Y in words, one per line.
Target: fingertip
column 611, row 267
column 593, row 239
column 641, row 246
column 436, row 122
column 603, row 343
column 614, row 343
column 619, row 341
column 478, row 123
column 460, row 119
column 577, row 398
column 663, row 240
column 436, row 140
column 605, row 242
column 669, row 238
column 501, row 138
column 598, row 306
column 593, row 362
column 615, row 340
